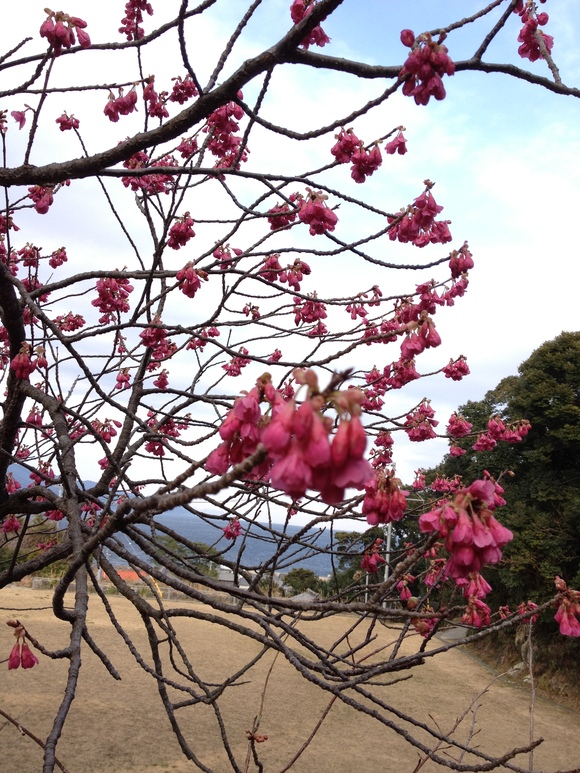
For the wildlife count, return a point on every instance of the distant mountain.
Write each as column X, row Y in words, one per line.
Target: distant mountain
column 20, row 474
column 257, row 545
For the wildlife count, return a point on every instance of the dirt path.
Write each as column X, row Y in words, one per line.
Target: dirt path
column 119, row 727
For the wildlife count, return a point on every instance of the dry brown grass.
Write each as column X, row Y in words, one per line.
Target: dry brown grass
column 120, row 727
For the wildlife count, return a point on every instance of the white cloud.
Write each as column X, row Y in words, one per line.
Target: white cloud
column 501, row 153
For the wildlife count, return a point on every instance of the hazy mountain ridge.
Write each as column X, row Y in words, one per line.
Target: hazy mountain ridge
column 255, row 542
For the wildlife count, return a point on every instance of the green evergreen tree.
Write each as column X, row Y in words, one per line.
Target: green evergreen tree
column 301, row 579
column 543, row 483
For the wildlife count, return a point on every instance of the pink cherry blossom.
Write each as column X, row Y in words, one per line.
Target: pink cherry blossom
column 568, row 614
column 371, row 562
column 187, row 147
column 364, row 163
column 384, row 501
column 14, row 659
column 183, row 90
column 524, row 608
column 298, row 10
column 424, row 68
column 460, row 261
column 181, row 232
column 130, row 24
column 112, row 297
column 42, row 196
column 477, row 613
column 281, row 216
column 315, row 213
column 189, row 280
column 233, row 529
column 458, row 426
column 346, row 145
column 292, row 474
column 66, row 122
column 22, row 365
column 397, row 145
column 456, row 369
column 20, row 117
column 528, row 37
column 484, row 443
column 11, row 524
column 28, row 658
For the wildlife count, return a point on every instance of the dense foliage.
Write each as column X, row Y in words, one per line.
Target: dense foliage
column 541, row 474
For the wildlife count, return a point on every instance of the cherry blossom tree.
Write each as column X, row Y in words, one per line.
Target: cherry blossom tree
column 234, row 351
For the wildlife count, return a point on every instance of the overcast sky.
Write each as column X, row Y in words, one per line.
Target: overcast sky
column 504, row 156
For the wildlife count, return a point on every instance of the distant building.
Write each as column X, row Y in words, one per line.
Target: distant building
column 226, row 576
column 129, row 576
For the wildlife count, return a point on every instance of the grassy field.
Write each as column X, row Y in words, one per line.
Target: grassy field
column 120, row 727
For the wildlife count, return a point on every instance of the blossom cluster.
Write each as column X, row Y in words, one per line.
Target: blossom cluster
column 10, row 524
column 233, row 529
column 416, row 224
column 59, row 29
column 394, row 376
column 568, row 614
column 281, row 215
column 200, row 341
column 224, row 255
column 151, row 183
column 183, row 89
column 130, row 24
column 113, row 294
column 223, row 142
column 123, row 104
column 384, row 501
column 532, row 39
column 155, row 338
column 425, row 67
column 181, row 232
column 22, row 365
column 164, row 427
column 397, row 145
column 419, row 424
column 460, row 261
column 21, row 654
column 372, row 558
column 473, row 536
column 444, row 485
column 42, row 196
column 349, row 148
column 423, row 625
column 382, row 454
column 187, row 147
column 298, row 11
column 67, row 122
column 69, row 322
column 189, row 279
column 422, row 335
column 315, row 213
column 403, row 587
column 497, row 430
column 156, row 102
column 458, row 426
column 310, row 311
column 456, row 369
column 272, row 271
column 301, row 454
